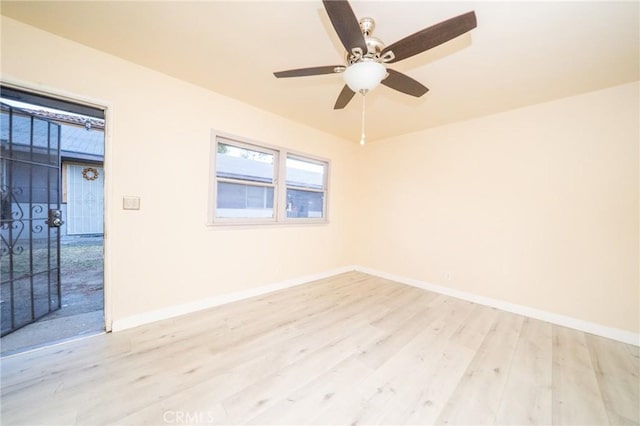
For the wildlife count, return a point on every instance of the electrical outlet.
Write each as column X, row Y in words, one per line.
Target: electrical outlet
column 131, row 203
column 448, row 276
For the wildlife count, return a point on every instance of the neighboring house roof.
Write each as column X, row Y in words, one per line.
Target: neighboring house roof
column 76, row 142
column 242, row 168
column 67, row 118
column 78, row 139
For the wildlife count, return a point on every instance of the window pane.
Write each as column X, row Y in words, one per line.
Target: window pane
column 234, row 162
column 305, row 203
column 305, row 174
column 244, row 201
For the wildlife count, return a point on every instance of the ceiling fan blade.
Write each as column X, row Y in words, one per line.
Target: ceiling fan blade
column 303, row 72
column 403, row 83
column 432, row 36
column 346, row 24
column 344, row 97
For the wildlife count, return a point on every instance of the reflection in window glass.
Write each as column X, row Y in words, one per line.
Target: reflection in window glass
column 234, row 162
column 305, row 174
column 244, row 201
column 305, row 203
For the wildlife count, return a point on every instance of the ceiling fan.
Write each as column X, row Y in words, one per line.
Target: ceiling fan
column 366, row 56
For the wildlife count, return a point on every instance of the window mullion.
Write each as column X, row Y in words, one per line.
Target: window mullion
column 246, row 182
column 281, row 186
column 304, row 188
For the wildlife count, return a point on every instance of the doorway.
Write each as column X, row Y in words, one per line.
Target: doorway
column 51, row 253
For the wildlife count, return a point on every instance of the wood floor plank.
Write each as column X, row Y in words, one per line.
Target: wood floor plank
column 387, row 393
column 451, row 366
column 482, row 386
column 351, row 344
column 254, row 399
column 240, row 373
column 527, row 397
column 618, row 375
column 442, row 364
column 576, row 395
column 394, row 338
column 413, row 374
column 388, row 358
column 390, row 326
column 315, row 397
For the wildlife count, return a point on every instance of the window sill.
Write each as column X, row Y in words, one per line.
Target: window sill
column 257, row 224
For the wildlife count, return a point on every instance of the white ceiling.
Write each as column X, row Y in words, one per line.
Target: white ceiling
column 521, row 53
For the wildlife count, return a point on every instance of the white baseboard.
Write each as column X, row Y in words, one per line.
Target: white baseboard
column 186, row 308
column 565, row 321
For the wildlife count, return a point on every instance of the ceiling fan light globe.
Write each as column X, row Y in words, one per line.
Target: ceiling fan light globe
column 364, row 76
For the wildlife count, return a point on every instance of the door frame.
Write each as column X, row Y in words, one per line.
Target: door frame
column 107, row 107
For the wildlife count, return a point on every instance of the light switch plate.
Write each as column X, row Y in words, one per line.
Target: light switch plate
column 131, row 203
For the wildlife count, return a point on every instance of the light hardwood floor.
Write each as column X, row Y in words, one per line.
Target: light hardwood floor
column 351, row 349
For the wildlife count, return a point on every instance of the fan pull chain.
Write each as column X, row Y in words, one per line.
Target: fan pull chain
column 362, row 136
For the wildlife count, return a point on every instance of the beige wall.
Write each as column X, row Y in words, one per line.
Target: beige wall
column 158, row 149
column 537, row 206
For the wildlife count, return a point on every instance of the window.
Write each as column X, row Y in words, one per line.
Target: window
column 245, row 179
column 245, row 187
column 305, row 187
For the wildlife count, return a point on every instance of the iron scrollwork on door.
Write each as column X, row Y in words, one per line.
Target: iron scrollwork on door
column 11, row 220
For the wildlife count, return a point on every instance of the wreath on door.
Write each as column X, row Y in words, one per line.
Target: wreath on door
column 90, row 173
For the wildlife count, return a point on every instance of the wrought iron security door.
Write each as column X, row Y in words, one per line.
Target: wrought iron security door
column 30, row 218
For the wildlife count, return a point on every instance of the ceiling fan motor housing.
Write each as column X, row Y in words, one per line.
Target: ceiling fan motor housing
column 374, row 44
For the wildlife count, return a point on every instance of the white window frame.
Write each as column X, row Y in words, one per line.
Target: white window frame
column 279, row 182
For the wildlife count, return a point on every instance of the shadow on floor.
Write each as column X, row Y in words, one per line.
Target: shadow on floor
column 81, row 314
